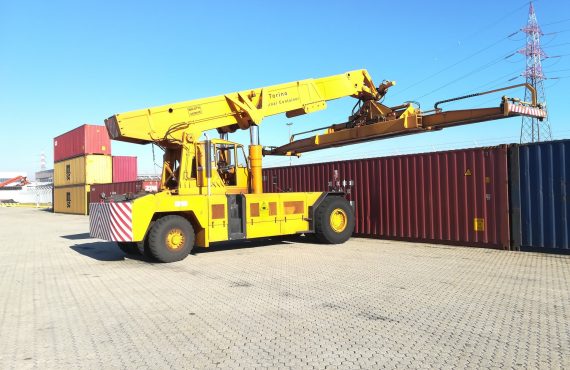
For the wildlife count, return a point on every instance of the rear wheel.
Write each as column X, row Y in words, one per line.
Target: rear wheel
column 128, row 247
column 171, row 238
column 334, row 221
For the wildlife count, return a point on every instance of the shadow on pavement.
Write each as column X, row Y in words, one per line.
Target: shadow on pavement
column 253, row 243
column 77, row 236
column 109, row 251
column 302, row 239
column 103, row 251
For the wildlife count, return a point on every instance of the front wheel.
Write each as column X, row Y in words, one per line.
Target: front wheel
column 334, row 221
column 171, row 238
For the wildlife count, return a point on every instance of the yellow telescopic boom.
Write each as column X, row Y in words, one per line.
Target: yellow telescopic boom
column 239, row 110
column 166, row 125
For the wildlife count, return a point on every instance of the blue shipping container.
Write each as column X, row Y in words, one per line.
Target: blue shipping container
column 539, row 175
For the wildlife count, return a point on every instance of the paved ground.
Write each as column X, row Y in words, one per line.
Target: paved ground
column 67, row 301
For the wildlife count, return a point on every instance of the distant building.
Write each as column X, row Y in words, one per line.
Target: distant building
column 44, row 176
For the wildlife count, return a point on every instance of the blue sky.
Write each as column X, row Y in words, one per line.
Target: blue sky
column 65, row 63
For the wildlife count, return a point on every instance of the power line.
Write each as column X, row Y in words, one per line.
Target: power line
column 517, row 75
column 556, row 61
column 553, row 84
column 556, row 32
column 559, row 70
column 510, row 14
column 556, row 22
column 558, row 78
column 490, row 83
column 485, row 102
column 510, row 74
column 477, row 70
column 553, row 46
column 453, row 65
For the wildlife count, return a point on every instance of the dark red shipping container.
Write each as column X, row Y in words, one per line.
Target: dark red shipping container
column 124, row 169
column 151, row 186
column 86, row 139
column 114, row 188
column 121, row 188
column 453, row 197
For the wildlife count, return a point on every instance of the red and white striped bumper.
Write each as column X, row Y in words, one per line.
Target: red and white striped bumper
column 527, row 111
column 111, row 221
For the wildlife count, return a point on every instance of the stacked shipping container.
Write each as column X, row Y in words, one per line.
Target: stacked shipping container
column 86, row 139
column 81, row 158
column 124, row 169
column 88, row 169
column 71, row 199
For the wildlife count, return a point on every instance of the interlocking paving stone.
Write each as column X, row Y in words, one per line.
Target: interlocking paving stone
column 67, row 301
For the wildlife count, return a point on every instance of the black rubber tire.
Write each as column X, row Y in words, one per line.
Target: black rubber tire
column 157, row 245
column 144, row 250
column 129, row 247
column 323, row 230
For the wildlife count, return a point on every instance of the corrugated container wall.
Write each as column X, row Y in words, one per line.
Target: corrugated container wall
column 539, row 178
column 86, row 139
column 90, row 169
column 71, row 199
column 114, row 188
column 455, row 197
column 124, row 169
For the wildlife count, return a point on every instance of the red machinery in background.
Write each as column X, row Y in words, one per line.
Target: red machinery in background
column 15, row 181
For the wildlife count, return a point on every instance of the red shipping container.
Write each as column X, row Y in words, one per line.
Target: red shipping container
column 124, row 169
column 113, row 189
column 86, row 139
column 454, row 197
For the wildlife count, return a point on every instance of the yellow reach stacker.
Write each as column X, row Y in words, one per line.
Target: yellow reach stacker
column 211, row 190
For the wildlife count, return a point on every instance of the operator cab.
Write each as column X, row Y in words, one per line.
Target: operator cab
column 225, row 162
column 229, row 161
column 185, row 170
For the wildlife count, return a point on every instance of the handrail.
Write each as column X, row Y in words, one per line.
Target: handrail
column 529, row 87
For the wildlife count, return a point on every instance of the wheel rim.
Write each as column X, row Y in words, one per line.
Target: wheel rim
column 175, row 239
column 338, row 220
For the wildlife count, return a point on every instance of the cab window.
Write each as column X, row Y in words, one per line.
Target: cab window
column 225, row 160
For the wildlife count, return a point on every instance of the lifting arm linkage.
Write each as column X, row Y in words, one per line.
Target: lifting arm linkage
column 405, row 120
